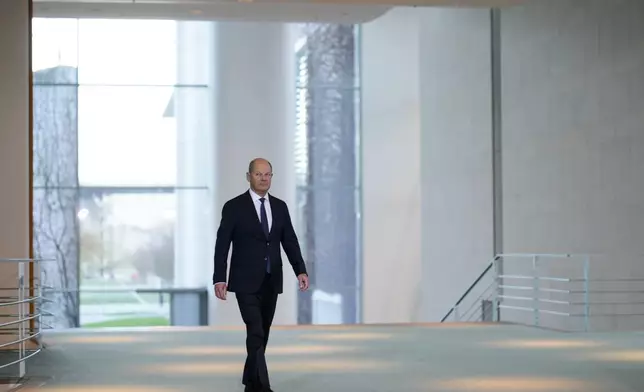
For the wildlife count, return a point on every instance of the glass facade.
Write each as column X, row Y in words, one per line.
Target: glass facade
column 124, row 167
column 327, row 151
column 109, row 183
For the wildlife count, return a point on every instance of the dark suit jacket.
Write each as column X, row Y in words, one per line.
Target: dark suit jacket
column 240, row 226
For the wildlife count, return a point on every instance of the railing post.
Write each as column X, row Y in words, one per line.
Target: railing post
column 496, row 316
column 21, row 316
column 39, row 306
column 535, row 289
column 586, row 295
column 457, row 317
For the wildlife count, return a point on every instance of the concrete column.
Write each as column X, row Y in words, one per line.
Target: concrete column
column 391, row 168
column 191, row 106
column 428, row 206
column 456, row 145
column 14, row 134
column 191, row 110
column 254, row 104
column 15, row 155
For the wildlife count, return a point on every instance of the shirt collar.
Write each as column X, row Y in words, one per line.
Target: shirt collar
column 255, row 196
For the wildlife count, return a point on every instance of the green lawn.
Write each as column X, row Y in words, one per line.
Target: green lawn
column 131, row 322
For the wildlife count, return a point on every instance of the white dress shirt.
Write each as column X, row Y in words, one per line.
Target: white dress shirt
column 258, row 206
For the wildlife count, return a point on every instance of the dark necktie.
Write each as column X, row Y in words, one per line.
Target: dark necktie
column 264, row 223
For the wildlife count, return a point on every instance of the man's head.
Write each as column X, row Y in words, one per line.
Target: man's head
column 260, row 174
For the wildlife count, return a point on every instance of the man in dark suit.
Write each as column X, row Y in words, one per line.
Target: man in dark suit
column 256, row 223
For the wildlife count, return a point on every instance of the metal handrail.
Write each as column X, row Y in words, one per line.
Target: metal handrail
column 469, row 289
column 562, row 293
column 540, row 255
column 473, row 306
column 547, row 278
column 27, row 321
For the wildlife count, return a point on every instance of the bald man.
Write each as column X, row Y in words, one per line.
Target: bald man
column 256, row 223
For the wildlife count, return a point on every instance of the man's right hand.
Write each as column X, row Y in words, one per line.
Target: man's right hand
column 221, row 289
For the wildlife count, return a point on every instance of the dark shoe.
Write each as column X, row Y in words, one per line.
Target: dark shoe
column 252, row 388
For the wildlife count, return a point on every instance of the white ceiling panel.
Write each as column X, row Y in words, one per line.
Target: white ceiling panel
column 337, row 11
column 456, row 3
column 213, row 10
column 467, row 3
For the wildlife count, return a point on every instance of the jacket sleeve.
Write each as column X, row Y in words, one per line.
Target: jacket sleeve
column 291, row 244
column 222, row 244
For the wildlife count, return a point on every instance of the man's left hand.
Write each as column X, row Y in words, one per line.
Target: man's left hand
column 304, row 281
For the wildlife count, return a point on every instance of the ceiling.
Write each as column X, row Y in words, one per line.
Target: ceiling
column 336, row 11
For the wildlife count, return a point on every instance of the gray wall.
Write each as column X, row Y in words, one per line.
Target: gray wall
column 573, row 150
column 573, row 135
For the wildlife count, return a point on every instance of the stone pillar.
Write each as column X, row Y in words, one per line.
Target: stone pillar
column 254, row 117
column 391, row 134
column 191, row 109
column 15, row 156
column 14, row 134
column 456, row 155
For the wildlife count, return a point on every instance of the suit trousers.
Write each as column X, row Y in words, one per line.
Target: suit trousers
column 257, row 311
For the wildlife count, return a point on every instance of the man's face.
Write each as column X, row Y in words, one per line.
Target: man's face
column 260, row 177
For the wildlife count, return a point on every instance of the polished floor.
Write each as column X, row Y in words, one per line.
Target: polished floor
column 388, row 358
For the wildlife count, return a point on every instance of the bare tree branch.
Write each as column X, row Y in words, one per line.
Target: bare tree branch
column 56, row 193
column 331, row 236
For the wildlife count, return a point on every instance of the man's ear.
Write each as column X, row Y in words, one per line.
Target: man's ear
column 248, row 177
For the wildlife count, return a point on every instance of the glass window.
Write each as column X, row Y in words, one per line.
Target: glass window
column 121, row 191
column 328, row 177
column 127, row 52
column 126, row 242
column 125, row 136
column 302, row 100
column 55, row 44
